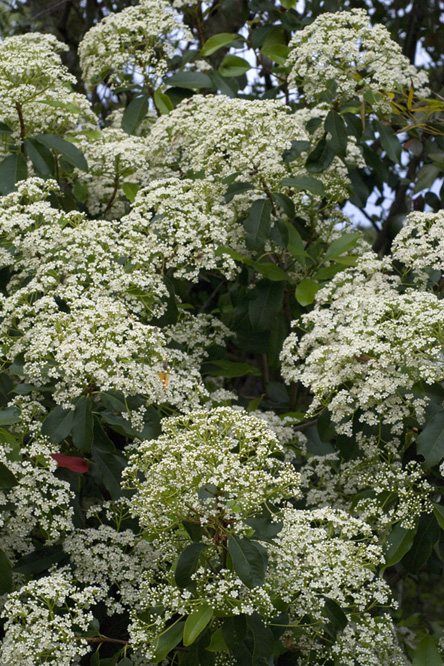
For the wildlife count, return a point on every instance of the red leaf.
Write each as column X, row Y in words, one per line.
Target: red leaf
column 73, row 463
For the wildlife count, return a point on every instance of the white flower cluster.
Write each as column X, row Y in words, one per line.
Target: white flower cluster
column 366, row 345
column 342, row 53
column 82, row 293
column 186, row 222
column 114, row 158
column 138, row 40
column 211, row 466
column 420, row 244
column 238, row 140
column 37, row 99
column 388, row 492
column 39, row 622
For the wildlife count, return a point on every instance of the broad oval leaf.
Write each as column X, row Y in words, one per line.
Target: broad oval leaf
column 187, row 563
column 301, row 183
column 9, row 415
column 5, row 573
column 82, row 425
column 134, row 114
column 342, row 244
column 196, row 623
column 58, row 424
column 7, row 478
column 427, row 653
column 163, row 102
column 233, row 66
column 168, row 640
column 320, row 157
column 248, row 560
column 399, row 543
column 217, row 42
column 68, row 150
column 189, row 80
column 12, row 169
column 430, row 443
column 258, row 224
column 306, row 291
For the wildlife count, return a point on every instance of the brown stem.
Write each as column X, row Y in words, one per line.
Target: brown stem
column 101, row 639
column 22, row 126
column 113, row 195
column 304, row 426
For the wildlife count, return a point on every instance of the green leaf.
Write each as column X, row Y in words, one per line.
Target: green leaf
column 168, row 640
column 257, row 224
column 266, row 303
column 108, row 463
column 276, row 52
column 134, row 114
column 163, row 102
column 234, row 630
column 427, row 175
column 389, row 141
column 40, row 560
column 125, row 662
column 335, row 125
column 196, row 623
column 228, row 87
column 430, row 443
column 69, row 152
column 58, row 424
column 7, row 478
column 302, row 183
column 130, row 191
column 335, row 615
column 248, row 560
column 297, row 148
column 320, row 157
column 41, row 158
column 438, row 510
column 189, row 80
column 233, row 369
column 12, row 169
column 425, row 538
column 237, row 188
column 270, row 270
column 82, row 426
column 342, row 244
column 306, row 291
column 218, row 41
column 399, row 543
column 427, row 653
column 61, row 105
column 263, row 641
column 217, row 642
column 5, row 574
column 187, row 563
column 233, row 66
column 5, row 129
column 10, row 415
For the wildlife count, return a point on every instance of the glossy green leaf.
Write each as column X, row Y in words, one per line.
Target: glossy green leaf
column 58, row 424
column 427, row 653
column 163, row 102
column 82, row 425
column 134, row 114
column 12, row 169
column 7, row 478
column 41, row 158
column 320, row 157
column 335, row 125
column 108, row 463
column 306, row 291
column 276, row 52
column 218, row 41
column 130, row 191
column 399, row 543
column 168, row 640
column 5, row 129
column 265, row 304
column 263, row 640
column 297, row 148
column 270, row 270
column 248, row 560
column 40, row 560
column 426, row 536
column 5, row 573
column 233, row 66
column 217, row 642
column 188, row 563
column 389, row 141
column 438, row 510
column 305, row 183
column 237, row 188
column 189, row 80
column 342, row 244
column 10, row 415
column 430, row 443
column 234, row 630
column 258, row 224
column 67, row 150
column 196, row 623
